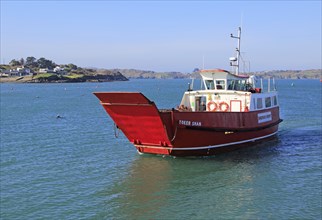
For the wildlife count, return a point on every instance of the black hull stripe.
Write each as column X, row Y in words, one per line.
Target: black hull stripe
column 233, row 129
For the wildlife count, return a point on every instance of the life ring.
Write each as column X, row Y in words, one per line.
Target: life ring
column 212, row 106
column 223, row 106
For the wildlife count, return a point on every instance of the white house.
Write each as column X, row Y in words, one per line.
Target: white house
column 59, row 70
column 43, row 70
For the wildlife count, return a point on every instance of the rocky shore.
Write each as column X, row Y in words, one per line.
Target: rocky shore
column 55, row 78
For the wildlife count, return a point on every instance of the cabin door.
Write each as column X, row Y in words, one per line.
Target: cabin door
column 235, row 105
column 200, row 104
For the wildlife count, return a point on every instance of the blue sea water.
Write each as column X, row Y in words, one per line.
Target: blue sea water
column 74, row 168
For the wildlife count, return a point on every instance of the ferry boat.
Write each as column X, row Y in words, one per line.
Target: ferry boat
column 229, row 112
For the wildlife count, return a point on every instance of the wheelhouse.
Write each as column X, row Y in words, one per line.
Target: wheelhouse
column 227, row 92
column 218, row 79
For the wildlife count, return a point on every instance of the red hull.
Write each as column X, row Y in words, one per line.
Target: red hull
column 173, row 132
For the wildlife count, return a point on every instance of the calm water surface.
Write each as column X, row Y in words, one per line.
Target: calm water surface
column 74, row 167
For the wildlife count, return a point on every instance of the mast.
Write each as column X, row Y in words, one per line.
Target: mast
column 236, row 59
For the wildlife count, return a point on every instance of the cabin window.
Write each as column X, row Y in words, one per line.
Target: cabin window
column 254, row 101
column 259, row 103
column 239, row 85
column 230, row 84
column 220, row 84
column 274, row 100
column 209, row 84
column 268, row 102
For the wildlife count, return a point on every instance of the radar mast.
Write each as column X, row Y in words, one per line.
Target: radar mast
column 234, row 61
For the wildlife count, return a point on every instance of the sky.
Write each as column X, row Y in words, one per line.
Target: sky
column 163, row 35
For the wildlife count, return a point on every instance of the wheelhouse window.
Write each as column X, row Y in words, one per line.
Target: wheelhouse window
column 240, row 85
column 268, row 102
column 209, row 84
column 259, row 103
column 220, row 84
column 230, row 84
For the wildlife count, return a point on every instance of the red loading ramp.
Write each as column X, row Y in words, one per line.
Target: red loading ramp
column 136, row 116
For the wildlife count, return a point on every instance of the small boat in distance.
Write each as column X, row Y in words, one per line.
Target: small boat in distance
column 229, row 112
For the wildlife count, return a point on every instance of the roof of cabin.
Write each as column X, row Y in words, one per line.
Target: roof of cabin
column 213, row 71
column 221, row 71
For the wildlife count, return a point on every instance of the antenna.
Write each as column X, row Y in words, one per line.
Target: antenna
column 203, row 62
column 236, row 60
column 241, row 19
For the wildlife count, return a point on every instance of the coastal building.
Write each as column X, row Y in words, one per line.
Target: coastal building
column 59, row 70
column 19, row 71
column 43, row 70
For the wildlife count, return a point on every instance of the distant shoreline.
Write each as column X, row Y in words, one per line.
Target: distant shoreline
column 62, row 79
column 27, row 79
column 126, row 74
column 42, row 70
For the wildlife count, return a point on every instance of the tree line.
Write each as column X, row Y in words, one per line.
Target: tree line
column 34, row 63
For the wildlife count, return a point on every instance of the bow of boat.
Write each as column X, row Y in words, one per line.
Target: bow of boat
column 138, row 118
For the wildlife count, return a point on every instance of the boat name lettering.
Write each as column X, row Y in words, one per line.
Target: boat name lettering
column 189, row 123
column 264, row 117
